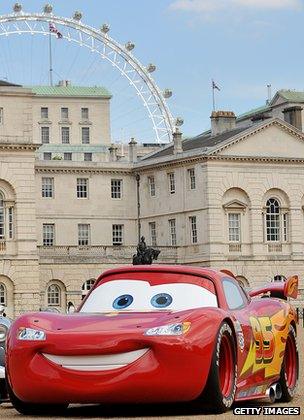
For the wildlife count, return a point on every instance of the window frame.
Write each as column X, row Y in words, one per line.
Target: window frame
column 47, row 191
column 153, row 233
column 3, row 294
column 172, row 232
column 243, row 295
column 51, row 295
column 152, row 186
column 82, row 188
column 84, row 240
column 1, row 115
column 116, row 189
column 42, row 116
column 45, row 139
column 116, row 233
column 171, row 182
column 64, row 113
column 85, row 139
column 65, row 135
column 48, row 238
column 191, row 179
column 65, row 154
column 85, row 117
column 193, row 230
column 239, row 227
column 47, row 156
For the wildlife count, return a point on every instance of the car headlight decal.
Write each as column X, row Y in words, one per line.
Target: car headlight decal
column 171, row 329
column 31, row 335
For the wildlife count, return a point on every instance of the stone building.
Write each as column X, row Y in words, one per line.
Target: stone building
column 232, row 197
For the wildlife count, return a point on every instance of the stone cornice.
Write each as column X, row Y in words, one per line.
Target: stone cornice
column 81, row 170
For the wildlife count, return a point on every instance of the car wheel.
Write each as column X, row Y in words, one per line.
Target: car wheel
column 220, row 388
column 34, row 409
column 290, row 367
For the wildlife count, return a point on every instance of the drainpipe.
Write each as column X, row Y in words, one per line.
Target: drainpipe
column 137, row 177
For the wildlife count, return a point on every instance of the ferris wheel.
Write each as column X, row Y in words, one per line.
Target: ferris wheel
column 99, row 42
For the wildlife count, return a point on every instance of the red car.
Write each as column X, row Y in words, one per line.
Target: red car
column 158, row 334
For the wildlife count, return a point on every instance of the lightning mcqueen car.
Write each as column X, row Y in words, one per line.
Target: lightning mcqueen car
column 158, row 334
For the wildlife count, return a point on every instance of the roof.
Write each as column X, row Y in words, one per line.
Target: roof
column 202, row 141
column 255, row 111
column 91, row 91
column 291, row 95
column 5, row 83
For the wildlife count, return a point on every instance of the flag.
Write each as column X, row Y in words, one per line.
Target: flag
column 215, row 86
column 54, row 30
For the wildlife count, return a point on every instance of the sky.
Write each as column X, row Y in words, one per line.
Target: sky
column 242, row 44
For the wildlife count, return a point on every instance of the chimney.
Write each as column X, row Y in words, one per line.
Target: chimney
column 177, row 142
column 222, row 121
column 132, row 151
column 293, row 115
column 113, row 153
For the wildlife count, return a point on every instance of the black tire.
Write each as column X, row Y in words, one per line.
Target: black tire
column 34, row 409
column 3, row 391
column 218, row 395
column 290, row 367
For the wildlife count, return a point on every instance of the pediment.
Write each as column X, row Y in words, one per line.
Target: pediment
column 235, row 205
column 275, row 139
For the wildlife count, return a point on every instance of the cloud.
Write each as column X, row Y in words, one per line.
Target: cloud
column 212, row 6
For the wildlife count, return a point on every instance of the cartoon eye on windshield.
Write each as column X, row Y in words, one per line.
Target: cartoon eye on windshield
column 161, row 300
column 122, row 302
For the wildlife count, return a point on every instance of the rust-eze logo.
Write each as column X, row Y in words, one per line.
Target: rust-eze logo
column 267, row 411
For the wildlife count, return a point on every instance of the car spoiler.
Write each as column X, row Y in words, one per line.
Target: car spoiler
column 282, row 290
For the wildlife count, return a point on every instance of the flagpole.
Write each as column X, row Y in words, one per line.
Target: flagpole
column 213, row 95
column 51, row 59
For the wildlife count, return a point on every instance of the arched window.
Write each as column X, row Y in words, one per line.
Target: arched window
column 87, row 285
column 2, row 218
column 277, row 221
column 279, row 277
column 273, row 220
column 53, row 295
column 2, row 294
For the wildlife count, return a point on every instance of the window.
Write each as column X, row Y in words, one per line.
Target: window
column 116, row 188
column 47, row 156
column 44, row 112
column 2, row 219
column 83, row 234
column 87, row 286
column 45, row 135
column 234, row 227
column 234, row 295
column 87, row 157
column 172, row 232
column 279, row 277
column 53, row 295
column 191, row 178
column 67, row 156
column 85, row 135
column 65, row 135
column 193, row 228
column 82, row 188
column 47, row 187
column 84, row 113
column 1, row 116
column 171, row 180
column 151, row 181
column 48, row 234
column 64, row 113
column 285, row 227
column 152, row 229
column 273, row 220
column 10, row 222
column 2, row 294
column 117, row 234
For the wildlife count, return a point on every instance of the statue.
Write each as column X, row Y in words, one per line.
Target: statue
column 145, row 254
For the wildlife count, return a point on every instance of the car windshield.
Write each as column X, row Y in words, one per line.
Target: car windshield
column 139, row 295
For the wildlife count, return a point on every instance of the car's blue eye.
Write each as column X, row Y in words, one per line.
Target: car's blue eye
column 161, row 300
column 122, row 302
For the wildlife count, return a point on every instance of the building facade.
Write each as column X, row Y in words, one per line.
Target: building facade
column 72, row 204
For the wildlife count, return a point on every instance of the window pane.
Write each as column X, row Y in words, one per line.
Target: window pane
column 47, row 156
column 83, row 234
column 48, row 234
column 65, row 135
column 67, row 156
column 152, row 228
column 87, row 157
column 2, row 220
column 11, row 222
column 64, row 113
column 82, row 188
column 84, row 113
column 273, row 220
column 151, row 181
column 117, row 234
column 47, row 187
column 2, row 295
column 171, row 179
column 193, row 228
column 53, row 295
column 192, row 181
column 234, row 227
column 1, row 116
column 45, row 135
column 85, row 135
column 172, row 232
column 233, row 294
column 44, row 113
column 116, row 188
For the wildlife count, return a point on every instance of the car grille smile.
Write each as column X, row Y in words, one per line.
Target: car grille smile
column 96, row 362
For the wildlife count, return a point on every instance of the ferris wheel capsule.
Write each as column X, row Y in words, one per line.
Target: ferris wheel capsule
column 48, row 8
column 167, row 93
column 129, row 46
column 77, row 15
column 105, row 28
column 151, row 68
column 179, row 121
column 17, row 7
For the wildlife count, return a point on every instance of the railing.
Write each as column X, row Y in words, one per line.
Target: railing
column 101, row 252
column 274, row 247
column 235, row 247
column 2, row 245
